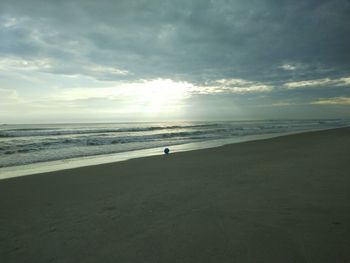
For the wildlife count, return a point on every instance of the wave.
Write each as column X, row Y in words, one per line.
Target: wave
column 18, row 146
column 54, row 131
column 60, row 131
column 102, row 137
column 77, row 152
column 94, row 141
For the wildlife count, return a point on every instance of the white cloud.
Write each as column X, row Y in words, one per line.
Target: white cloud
column 106, row 70
column 47, row 65
column 237, row 86
column 288, row 67
column 333, row 101
column 12, row 21
column 256, row 88
column 13, row 63
column 318, row 83
column 234, row 82
column 345, row 81
column 308, row 83
column 281, row 104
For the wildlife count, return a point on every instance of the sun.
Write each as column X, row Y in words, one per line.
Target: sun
column 161, row 95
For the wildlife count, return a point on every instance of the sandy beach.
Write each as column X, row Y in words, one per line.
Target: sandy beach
column 285, row 199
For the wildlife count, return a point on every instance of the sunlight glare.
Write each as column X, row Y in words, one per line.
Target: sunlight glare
column 160, row 94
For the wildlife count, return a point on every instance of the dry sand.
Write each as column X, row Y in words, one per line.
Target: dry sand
column 285, row 199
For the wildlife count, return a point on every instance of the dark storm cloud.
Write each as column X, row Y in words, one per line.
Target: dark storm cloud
column 196, row 41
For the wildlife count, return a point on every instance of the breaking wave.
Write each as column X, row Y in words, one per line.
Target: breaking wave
column 24, row 144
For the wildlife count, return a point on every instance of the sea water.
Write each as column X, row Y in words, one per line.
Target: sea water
column 26, row 144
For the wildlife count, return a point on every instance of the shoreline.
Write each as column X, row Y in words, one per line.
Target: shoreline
column 72, row 163
column 284, row 199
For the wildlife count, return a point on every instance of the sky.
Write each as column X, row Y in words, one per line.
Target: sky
column 161, row 60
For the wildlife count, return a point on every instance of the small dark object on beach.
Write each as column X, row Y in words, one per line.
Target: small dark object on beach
column 166, row 150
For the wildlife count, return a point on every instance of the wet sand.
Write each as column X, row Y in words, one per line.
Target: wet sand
column 285, row 199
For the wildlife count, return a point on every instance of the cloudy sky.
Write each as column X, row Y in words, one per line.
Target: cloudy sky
column 151, row 60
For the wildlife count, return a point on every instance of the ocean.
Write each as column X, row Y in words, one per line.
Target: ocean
column 37, row 143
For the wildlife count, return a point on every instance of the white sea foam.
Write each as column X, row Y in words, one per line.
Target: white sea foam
column 27, row 144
